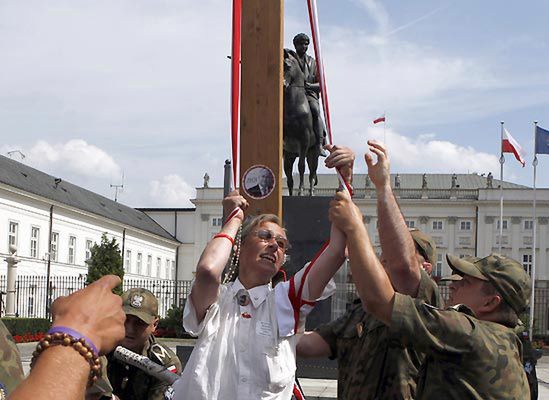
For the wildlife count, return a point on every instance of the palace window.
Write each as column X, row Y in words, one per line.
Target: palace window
column 438, row 225
column 35, row 241
column 128, row 261
column 89, row 245
column 72, row 249
column 54, row 246
column 12, row 233
column 139, row 263
column 465, row 225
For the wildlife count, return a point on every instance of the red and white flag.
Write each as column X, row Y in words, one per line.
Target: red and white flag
column 172, row 368
column 510, row 145
column 380, row 119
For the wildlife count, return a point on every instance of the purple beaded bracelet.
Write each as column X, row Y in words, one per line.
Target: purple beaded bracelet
column 76, row 335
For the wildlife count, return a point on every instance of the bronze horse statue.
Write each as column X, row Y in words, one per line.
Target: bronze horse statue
column 299, row 138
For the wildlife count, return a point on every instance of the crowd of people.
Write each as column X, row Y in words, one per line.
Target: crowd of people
column 396, row 341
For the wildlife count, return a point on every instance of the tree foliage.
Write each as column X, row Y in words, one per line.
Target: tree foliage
column 106, row 259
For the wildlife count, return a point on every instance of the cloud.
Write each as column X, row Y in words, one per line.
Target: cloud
column 149, row 82
column 147, row 66
column 378, row 13
column 171, row 191
column 426, row 153
column 75, row 156
column 368, row 75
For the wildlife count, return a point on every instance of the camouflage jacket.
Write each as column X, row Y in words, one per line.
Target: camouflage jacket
column 11, row 370
column 372, row 363
column 130, row 383
column 466, row 358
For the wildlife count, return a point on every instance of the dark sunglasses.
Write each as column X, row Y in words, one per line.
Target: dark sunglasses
column 267, row 235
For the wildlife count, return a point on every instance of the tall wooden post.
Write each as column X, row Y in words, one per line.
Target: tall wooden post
column 261, row 100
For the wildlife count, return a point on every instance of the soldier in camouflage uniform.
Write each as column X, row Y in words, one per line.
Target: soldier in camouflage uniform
column 372, row 363
column 127, row 382
column 472, row 351
column 11, row 370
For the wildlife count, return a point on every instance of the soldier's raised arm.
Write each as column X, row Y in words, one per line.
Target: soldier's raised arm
column 397, row 245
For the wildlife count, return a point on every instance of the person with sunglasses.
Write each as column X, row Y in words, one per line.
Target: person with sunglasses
column 247, row 330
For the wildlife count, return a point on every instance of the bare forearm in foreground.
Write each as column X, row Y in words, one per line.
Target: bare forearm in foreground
column 44, row 381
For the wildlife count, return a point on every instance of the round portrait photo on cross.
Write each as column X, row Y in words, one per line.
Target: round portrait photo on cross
column 258, row 181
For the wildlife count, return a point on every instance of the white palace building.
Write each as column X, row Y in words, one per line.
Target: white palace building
column 461, row 212
column 33, row 204
column 463, row 219
column 165, row 243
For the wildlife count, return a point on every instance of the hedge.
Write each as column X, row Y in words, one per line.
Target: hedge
column 27, row 329
column 171, row 326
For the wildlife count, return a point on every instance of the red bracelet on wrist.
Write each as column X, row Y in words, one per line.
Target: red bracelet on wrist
column 224, row 235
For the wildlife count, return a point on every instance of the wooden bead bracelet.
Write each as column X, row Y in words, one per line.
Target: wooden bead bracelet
column 80, row 345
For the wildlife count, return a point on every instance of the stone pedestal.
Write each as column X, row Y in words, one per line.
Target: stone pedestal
column 12, row 261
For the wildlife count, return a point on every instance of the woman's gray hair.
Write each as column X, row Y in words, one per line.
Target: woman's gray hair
column 249, row 225
column 252, row 223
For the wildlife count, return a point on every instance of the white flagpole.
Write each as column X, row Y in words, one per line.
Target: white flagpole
column 501, row 162
column 534, row 244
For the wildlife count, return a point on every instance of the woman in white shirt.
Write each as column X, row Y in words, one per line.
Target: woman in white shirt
column 247, row 330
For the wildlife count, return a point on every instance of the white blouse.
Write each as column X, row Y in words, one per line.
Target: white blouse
column 247, row 352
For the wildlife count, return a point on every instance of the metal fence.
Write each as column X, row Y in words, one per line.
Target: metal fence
column 32, row 296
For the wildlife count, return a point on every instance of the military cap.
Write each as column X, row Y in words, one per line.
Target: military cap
column 141, row 303
column 458, row 277
column 507, row 275
column 451, row 278
column 426, row 244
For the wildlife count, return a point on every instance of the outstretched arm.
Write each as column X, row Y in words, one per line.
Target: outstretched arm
column 214, row 257
column 333, row 257
column 371, row 280
column 396, row 241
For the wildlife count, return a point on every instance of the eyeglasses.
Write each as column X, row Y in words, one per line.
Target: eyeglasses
column 267, row 235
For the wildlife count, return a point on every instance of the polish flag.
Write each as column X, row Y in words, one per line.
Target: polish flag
column 510, row 145
column 380, row 119
column 172, row 368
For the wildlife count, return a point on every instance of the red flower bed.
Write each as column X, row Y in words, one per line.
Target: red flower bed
column 29, row 337
column 165, row 332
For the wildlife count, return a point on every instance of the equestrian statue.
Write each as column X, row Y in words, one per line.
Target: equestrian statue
column 304, row 131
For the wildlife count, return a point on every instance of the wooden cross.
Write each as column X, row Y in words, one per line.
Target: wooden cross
column 261, row 117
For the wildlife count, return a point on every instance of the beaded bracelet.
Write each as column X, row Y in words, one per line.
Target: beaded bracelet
column 75, row 334
column 224, row 235
column 79, row 344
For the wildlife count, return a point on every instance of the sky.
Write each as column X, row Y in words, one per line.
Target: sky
column 100, row 92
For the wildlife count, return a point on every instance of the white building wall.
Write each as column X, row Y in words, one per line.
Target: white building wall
column 187, row 266
column 479, row 240
column 181, row 224
column 31, row 211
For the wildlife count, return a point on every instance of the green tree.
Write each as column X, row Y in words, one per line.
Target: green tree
column 105, row 259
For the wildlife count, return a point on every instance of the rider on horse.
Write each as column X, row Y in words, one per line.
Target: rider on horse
column 312, row 87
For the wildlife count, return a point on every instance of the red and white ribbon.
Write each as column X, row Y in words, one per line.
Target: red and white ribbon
column 232, row 214
column 313, row 19
column 235, row 84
